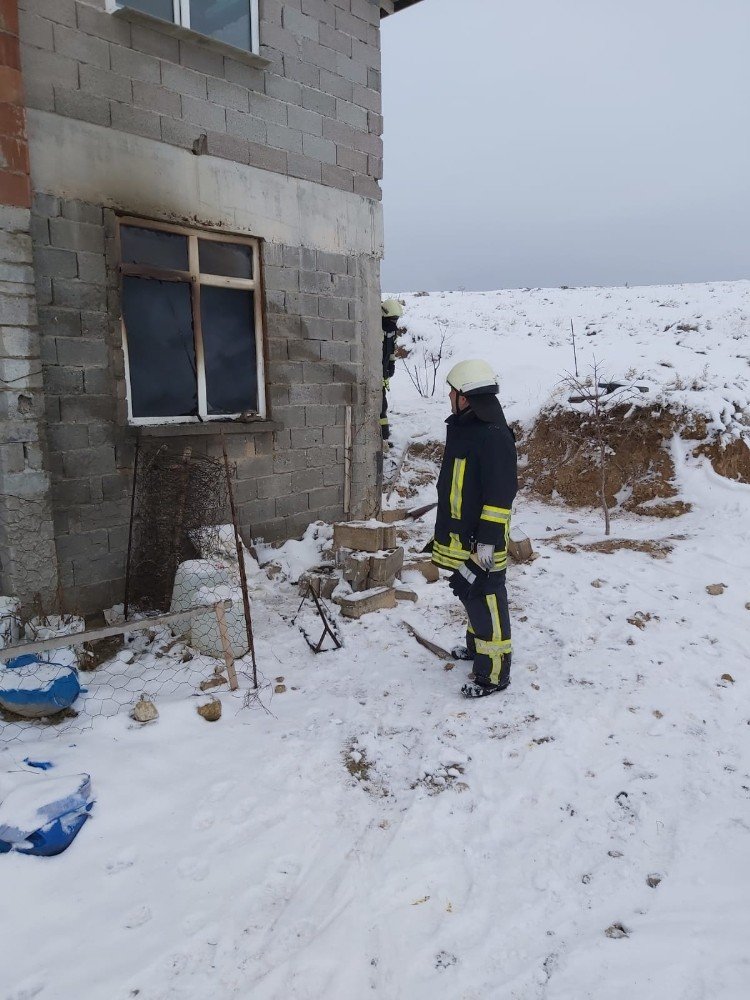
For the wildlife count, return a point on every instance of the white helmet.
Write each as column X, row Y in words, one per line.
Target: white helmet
column 472, row 378
column 392, row 309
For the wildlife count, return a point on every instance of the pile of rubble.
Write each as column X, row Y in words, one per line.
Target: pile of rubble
column 366, row 569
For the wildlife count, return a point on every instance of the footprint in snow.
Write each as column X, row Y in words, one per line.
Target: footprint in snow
column 27, row 991
column 194, row 922
column 242, row 811
column 193, row 869
column 120, row 864
column 138, row 917
column 444, row 960
column 218, row 793
column 203, row 821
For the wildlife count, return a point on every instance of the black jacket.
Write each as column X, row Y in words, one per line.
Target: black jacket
column 390, row 332
column 476, row 487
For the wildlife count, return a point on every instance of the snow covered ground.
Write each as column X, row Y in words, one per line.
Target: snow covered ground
column 370, row 833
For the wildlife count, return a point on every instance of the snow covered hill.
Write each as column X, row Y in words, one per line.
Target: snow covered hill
column 689, row 343
column 368, row 833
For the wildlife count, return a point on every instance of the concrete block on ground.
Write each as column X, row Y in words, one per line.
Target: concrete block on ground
column 356, row 569
column 392, row 516
column 322, row 579
column 405, row 594
column 385, row 567
column 364, row 536
column 428, row 569
column 356, row 605
column 520, row 548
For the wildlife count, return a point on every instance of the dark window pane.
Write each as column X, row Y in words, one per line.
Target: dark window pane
column 228, row 324
column 154, row 248
column 233, row 260
column 159, row 8
column 161, row 349
column 227, row 20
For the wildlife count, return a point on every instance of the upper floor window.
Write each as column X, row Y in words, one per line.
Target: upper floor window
column 232, row 21
column 191, row 319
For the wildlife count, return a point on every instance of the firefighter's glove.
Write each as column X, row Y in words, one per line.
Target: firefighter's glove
column 486, row 556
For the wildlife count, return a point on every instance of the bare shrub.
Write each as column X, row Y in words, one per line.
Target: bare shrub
column 426, row 361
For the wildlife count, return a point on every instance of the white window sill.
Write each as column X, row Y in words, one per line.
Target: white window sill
column 188, row 35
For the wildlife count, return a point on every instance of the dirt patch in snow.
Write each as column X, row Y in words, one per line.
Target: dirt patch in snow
column 658, row 550
column 731, row 460
column 558, row 460
column 420, row 466
column 561, row 459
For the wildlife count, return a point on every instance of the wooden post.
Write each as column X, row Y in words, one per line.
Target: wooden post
column 126, row 604
column 179, row 520
column 241, row 565
column 348, row 464
column 226, row 645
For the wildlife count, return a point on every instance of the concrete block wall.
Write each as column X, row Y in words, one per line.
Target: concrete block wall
column 312, row 112
column 27, row 553
column 290, row 468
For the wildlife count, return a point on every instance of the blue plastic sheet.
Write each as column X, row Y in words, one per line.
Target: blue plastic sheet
column 42, row 816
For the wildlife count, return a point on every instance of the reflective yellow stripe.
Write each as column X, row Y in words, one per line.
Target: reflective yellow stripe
column 495, row 651
column 497, row 629
column 498, row 646
column 457, row 485
column 489, row 647
column 454, row 555
column 499, row 515
column 452, row 551
column 384, row 421
column 447, row 561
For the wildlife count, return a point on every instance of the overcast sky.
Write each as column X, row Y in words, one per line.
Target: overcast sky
column 566, row 142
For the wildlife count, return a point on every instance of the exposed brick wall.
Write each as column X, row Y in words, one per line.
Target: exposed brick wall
column 313, row 113
column 289, row 473
column 15, row 188
column 27, row 556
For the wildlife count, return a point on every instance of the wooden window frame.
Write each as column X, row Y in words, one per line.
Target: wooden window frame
column 181, row 19
column 195, row 278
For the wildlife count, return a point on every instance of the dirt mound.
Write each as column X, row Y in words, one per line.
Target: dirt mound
column 558, row 459
column 731, row 461
column 562, row 460
column 419, row 465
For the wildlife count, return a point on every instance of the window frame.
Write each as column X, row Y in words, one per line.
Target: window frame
column 195, row 278
column 181, row 19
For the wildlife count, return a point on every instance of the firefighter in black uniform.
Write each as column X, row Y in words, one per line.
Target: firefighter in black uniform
column 392, row 312
column 476, row 488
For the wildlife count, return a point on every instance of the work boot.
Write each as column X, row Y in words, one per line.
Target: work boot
column 477, row 690
column 462, row 653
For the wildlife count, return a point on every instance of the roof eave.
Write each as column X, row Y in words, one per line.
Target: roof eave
column 397, row 5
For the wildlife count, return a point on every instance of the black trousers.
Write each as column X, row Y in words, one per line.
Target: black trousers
column 385, row 429
column 488, row 634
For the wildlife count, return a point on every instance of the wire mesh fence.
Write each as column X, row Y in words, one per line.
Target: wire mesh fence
column 184, row 620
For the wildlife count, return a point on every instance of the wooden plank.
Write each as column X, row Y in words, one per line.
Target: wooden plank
column 93, row 634
column 432, row 646
column 226, row 646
